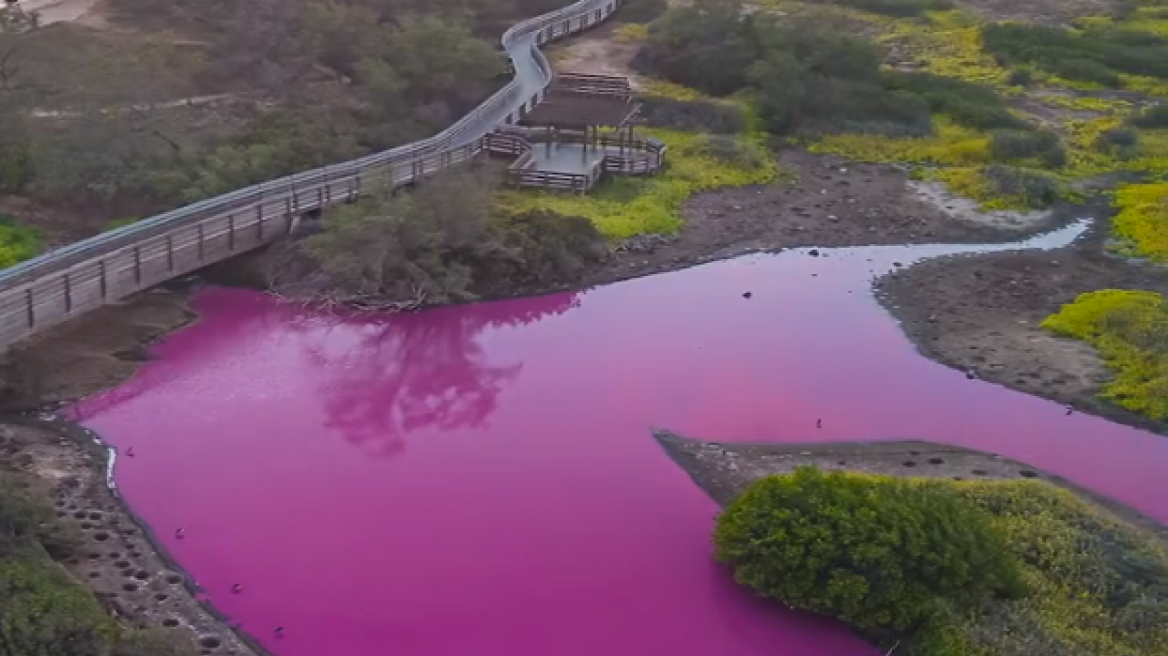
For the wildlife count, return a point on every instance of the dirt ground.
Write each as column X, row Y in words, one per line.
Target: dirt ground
column 983, row 313
column 725, row 470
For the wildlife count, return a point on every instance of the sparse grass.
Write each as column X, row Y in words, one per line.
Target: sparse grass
column 1130, row 331
column 622, row 207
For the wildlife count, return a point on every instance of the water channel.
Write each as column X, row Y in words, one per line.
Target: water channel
column 481, row 479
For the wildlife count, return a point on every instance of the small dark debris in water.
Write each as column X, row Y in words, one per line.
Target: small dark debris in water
column 279, row 632
column 179, row 533
column 747, row 294
column 1070, row 409
column 130, row 452
column 819, row 423
column 971, row 374
column 813, row 252
column 237, row 588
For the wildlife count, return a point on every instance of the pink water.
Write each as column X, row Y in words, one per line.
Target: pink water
column 482, row 480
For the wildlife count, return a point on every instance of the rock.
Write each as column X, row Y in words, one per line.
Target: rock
column 813, row 252
column 746, row 294
column 897, row 264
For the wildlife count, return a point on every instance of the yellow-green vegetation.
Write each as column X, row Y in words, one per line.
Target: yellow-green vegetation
column 946, row 43
column 43, row 611
column 1006, row 568
column 949, row 145
column 625, row 206
column 17, row 243
column 1130, row 331
column 1142, row 222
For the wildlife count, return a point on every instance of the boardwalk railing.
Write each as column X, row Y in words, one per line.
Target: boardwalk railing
column 54, row 287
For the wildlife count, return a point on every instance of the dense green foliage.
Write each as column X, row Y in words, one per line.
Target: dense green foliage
column 322, row 81
column 1095, row 55
column 44, row 612
column 17, row 243
column 876, row 552
column 441, row 242
column 1130, row 331
column 805, row 79
column 1094, row 584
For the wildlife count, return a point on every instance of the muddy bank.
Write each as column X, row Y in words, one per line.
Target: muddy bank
column 983, row 313
column 725, row 470
column 115, row 555
column 828, row 203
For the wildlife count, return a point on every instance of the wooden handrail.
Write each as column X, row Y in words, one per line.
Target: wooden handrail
column 56, row 286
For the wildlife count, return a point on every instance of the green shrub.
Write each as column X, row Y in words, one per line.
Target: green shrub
column 878, row 552
column 968, row 104
column 1020, row 77
column 731, row 150
column 1041, row 147
column 1091, row 55
column 642, row 11
column 692, row 115
column 1030, row 188
column 895, row 8
column 1155, row 117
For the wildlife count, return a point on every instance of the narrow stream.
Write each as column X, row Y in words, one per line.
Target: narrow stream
column 482, row 480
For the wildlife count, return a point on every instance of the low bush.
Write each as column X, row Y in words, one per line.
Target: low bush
column 877, row 552
column 1054, row 574
column 1153, row 117
column 1033, row 147
column 642, row 11
column 895, row 8
column 1130, row 331
column 1024, row 188
column 17, row 243
column 973, row 105
column 692, row 115
column 1090, row 55
column 436, row 244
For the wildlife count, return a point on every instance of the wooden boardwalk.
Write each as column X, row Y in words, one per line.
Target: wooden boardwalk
column 70, row 281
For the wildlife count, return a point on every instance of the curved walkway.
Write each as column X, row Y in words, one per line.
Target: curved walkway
column 54, row 287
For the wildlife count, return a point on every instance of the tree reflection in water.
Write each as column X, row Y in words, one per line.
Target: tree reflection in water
column 425, row 370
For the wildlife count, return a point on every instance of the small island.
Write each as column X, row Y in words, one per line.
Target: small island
column 933, row 550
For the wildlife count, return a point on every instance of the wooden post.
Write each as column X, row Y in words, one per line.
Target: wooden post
column 170, row 252
column 101, row 277
column 68, row 294
column 231, row 233
column 260, row 221
column 201, row 240
column 137, row 265
column 30, row 306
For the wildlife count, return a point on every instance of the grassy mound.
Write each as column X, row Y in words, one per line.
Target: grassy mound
column 1130, row 331
column 1092, row 584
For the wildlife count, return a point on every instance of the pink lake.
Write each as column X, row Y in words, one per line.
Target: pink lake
column 482, row 479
